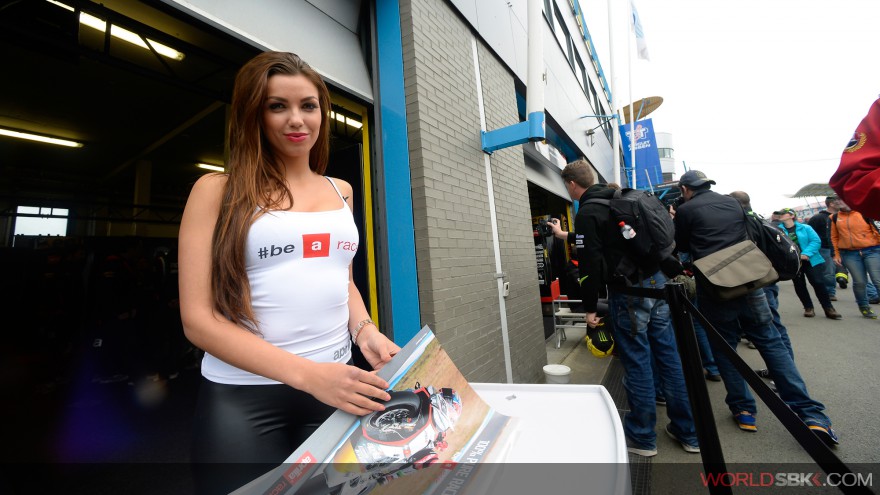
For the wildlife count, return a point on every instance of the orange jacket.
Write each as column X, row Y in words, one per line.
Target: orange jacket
column 852, row 232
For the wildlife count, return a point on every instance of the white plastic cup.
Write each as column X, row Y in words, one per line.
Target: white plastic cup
column 557, row 373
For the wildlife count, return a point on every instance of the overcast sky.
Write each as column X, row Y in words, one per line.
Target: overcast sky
column 762, row 96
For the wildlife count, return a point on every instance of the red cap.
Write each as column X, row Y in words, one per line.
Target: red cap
column 857, row 179
column 621, row 224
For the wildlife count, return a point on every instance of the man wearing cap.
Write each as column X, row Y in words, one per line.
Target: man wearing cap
column 706, row 223
column 811, row 262
column 857, row 245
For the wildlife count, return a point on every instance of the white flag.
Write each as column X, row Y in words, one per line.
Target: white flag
column 641, row 46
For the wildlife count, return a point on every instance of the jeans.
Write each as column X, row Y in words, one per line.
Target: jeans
column 772, row 294
column 706, row 356
column 814, row 275
column 830, row 272
column 644, row 338
column 860, row 263
column 753, row 313
column 870, row 288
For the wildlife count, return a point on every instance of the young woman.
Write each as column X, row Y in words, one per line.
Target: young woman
column 265, row 282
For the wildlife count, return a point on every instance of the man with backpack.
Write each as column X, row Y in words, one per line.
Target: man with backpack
column 642, row 327
column 706, row 223
column 771, row 292
column 856, row 243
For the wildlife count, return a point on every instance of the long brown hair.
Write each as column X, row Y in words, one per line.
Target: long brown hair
column 255, row 177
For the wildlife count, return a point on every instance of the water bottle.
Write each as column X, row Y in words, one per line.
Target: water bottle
column 627, row 231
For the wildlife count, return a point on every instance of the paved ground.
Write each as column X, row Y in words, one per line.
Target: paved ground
column 838, row 360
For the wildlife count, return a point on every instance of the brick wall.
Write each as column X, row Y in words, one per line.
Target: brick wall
column 454, row 251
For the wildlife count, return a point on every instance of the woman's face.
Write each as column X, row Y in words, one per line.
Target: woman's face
column 291, row 115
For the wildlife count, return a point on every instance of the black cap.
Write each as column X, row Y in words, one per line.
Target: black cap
column 694, row 178
column 786, row 210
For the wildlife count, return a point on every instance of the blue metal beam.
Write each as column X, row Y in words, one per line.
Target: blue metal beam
column 399, row 231
column 530, row 130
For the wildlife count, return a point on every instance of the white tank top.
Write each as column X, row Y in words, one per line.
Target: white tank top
column 297, row 264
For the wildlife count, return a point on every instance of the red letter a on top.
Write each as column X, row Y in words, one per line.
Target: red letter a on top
column 316, row 245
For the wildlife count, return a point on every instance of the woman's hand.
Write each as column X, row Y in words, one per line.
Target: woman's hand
column 376, row 347
column 345, row 387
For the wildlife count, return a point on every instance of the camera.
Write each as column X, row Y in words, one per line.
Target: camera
column 544, row 229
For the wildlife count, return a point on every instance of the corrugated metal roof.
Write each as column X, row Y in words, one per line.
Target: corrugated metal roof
column 815, row 190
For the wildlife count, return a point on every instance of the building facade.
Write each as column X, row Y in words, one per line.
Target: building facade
column 450, row 234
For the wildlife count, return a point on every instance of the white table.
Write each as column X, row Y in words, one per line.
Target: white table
column 574, row 428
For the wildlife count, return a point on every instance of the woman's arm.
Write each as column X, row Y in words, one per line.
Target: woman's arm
column 376, row 347
column 813, row 242
column 338, row 385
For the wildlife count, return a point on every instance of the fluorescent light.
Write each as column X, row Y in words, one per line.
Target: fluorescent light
column 346, row 120
column 123, row 34
column 37, row 137
column 215, row 168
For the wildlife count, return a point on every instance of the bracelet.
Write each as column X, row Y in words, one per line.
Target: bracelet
column 360, row 326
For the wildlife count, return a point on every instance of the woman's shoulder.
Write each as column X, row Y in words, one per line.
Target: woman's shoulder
column 210, row 184
column 212, row 180
column 207, row 191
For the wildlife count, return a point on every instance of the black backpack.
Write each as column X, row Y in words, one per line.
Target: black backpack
column 654, row 242
column 783, row 253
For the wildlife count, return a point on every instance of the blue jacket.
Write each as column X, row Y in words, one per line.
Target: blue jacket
column 808, row 241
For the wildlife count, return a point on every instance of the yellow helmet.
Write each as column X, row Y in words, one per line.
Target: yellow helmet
column 599, row 340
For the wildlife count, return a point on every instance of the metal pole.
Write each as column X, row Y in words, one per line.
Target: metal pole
column 695, row 382
column 615, row 130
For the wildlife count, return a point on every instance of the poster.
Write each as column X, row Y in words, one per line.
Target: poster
column 648, row 171
column 431, row 437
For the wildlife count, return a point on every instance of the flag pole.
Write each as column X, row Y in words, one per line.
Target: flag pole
column 615, row 128
column 632, row 122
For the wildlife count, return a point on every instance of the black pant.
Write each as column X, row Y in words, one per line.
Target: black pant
column 814, row 275
column 243, row 431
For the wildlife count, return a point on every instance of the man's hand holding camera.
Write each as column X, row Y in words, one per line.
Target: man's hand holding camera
column 557, row 229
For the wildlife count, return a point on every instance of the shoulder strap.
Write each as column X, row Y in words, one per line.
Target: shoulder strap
column 834, row 217
column 333, row 183
column 606, row 202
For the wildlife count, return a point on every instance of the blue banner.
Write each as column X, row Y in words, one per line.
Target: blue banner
column 647, row 156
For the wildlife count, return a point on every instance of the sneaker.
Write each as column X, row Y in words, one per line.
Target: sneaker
column 832, row 298
column 750, row 345
column 868, row 312
column 713, row 377
column 693, row 449
column 825, row 433
column 746, row 421
column 764, row 373
column 644, row 452
column 874, row 301
column 809, row 312
column 661, row 401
